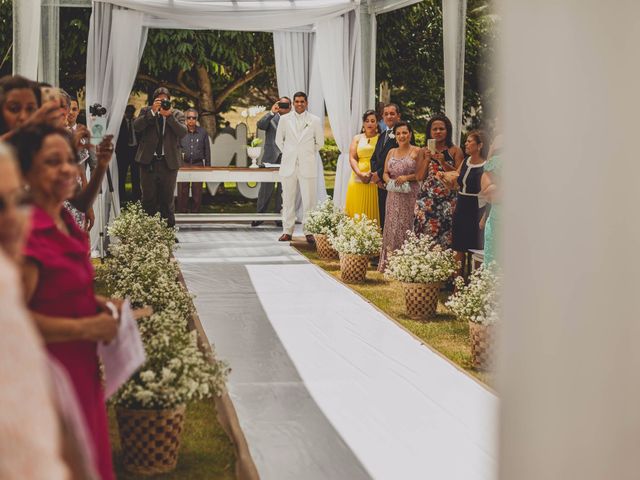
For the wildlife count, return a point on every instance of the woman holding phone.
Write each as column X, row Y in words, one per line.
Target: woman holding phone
column 436, row 202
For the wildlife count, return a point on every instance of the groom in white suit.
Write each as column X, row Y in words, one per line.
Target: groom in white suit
column 299, row 136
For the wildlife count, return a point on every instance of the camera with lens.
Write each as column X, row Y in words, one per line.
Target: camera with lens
column 284, row 105
column 165, row 104
column 97, row 110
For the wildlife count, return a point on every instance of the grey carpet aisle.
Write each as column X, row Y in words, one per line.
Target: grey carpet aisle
column 288, row 435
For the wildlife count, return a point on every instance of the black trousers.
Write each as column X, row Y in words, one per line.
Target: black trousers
column 158, row 184
column 265, row 192
column 125, row 157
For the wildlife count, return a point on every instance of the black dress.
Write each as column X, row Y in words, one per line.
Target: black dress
column 466, row 217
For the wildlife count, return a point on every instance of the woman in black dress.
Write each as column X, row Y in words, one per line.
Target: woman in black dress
column 466, row 217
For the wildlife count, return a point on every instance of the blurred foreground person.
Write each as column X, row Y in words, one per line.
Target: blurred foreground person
column 58, row 275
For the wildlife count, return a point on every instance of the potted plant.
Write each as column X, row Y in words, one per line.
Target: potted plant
column 150, row 407
column 356, row 240
column 321, row 222
column 421, row 266
column 478, row 303
column 253, row 147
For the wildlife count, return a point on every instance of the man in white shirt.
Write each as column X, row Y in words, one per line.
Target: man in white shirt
column 299, row 137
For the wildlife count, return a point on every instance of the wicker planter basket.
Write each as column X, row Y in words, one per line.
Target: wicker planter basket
column 353, row 268
column 324, row 247
column 150, row 439
column 421, row 299
column 482, row 345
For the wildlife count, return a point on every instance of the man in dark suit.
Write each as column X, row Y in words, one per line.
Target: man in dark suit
column 269, row 123
column 159, row 129
column 126, row 148
column 387, row 141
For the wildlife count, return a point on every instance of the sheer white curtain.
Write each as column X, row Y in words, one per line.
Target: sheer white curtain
column 116, row 42
column 26, row 38
column 454, row 14
column 340, row 66
column 296, row 70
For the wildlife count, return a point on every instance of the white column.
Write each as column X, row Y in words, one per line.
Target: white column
column 454, row 14
column 48, row 68
column 26, row 37
column 570, row 356
column 368, row 27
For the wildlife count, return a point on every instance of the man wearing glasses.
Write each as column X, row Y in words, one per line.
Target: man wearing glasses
column 196, row 152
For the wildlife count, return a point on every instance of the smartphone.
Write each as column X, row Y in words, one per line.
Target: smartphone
column 98, row 126
column 431, row 145
column 284, row 105
column 51, row 93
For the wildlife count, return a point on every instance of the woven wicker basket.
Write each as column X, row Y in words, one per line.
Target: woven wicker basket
column 150, row 439
column 421, row 299
column 482, row 345
column 353, row 268
column 324, row 247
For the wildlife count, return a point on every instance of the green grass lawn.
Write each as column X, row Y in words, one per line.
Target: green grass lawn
column 444, row 333
column 205, row 453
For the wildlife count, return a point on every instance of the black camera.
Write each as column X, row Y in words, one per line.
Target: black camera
column 165, row 104
column 97, row 110
column 284, row 105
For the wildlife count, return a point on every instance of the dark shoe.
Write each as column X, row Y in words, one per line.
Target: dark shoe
column 176, row 240
column 278, row 223
column 310, row 239
column 285, row 237
column 256, row 223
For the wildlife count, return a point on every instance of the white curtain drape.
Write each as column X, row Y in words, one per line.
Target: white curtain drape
column 233, row 15
column 454, row 14
column 116, row 43
column 26, row 38
column 340, row 65
column 297, row 70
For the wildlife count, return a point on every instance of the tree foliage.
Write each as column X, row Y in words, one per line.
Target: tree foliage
column 410, row 58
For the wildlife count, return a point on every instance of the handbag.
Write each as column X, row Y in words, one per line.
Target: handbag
column 402, row 188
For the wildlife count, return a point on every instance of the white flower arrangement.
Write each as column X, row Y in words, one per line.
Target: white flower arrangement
column 479, row 300
column 176, row 370
column 324, row 218
column 421, row 260
column 357, row 236
column 133, row 225
column 141, row 268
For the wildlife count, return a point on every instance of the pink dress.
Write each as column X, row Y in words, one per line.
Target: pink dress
column 65, row 289
column 399, row 213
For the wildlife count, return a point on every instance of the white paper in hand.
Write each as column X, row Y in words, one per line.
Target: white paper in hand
column 124, row 354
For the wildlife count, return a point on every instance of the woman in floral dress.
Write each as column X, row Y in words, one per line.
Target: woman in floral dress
column 400, row 174
column 435, row 204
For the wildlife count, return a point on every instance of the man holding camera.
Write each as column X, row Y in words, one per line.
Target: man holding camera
column 159, row 129
column 269, row 123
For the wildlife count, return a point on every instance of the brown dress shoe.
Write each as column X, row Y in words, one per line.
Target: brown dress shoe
column 310, row 239
column 285, row 237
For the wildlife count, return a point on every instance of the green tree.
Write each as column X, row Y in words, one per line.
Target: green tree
column 410, row 58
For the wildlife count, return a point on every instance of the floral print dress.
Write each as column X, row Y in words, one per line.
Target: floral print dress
column 435, row 205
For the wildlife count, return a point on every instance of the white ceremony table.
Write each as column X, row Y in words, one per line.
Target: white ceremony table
column 227, row 174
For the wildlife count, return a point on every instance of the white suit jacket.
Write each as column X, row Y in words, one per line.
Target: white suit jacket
column 301, row 147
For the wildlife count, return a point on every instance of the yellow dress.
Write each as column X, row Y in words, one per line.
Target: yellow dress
column 363, row 197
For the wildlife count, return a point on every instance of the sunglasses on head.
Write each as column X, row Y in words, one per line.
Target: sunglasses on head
column 192, row 118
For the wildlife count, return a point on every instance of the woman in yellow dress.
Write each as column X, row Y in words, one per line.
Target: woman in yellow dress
column 362, row 195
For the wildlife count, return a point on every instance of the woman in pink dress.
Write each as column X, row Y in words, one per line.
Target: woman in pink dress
column 402, row 187
column 58, row 275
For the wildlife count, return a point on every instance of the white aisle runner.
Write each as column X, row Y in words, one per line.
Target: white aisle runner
column 404, row 411
column 325, row 386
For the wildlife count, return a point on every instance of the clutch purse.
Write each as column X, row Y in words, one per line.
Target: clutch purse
column 403, row 188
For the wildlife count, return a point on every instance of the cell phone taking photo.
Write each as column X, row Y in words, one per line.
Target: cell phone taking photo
column 284, row 105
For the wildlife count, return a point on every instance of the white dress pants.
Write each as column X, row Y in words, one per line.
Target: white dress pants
column 308, row 192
